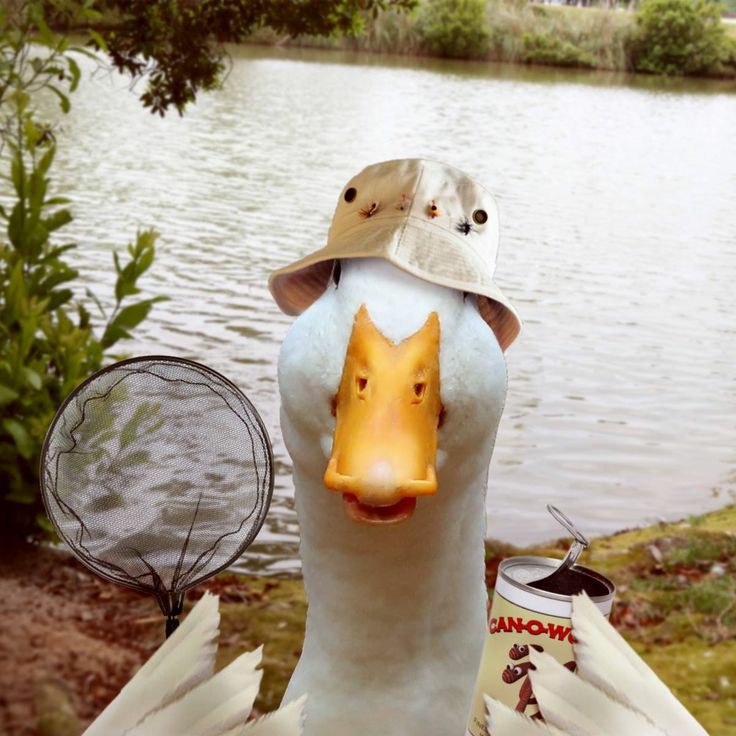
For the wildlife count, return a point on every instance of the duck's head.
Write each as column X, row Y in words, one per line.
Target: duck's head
column 393, row 372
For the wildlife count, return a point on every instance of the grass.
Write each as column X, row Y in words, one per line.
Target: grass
column 675, row 604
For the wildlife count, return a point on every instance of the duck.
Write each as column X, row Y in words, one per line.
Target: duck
column 613, row 691
column 392, row 381
column 176, row 692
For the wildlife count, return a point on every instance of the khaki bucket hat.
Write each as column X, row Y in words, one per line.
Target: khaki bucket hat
column 424, row 217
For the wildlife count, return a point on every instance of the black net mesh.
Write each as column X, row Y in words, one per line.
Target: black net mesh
column 158, row 473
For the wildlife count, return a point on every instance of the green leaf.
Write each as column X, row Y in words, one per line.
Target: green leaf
column 17, row 174
column 57, row 220
column 16, row 296
column 36, row 14
column 98, row 40
column 74, row 72
column 7, row 395
column 126, row 319
column 46, row 161
column 22, row 439
column 56, row 277
column 62, row 296
column 94, row 298
column 63, row 99
column 32, row 378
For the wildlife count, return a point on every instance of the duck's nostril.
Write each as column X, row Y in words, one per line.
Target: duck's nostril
column 361, row 382
column 419, row 389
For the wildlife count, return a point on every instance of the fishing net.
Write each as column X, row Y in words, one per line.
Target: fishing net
column 157, row 472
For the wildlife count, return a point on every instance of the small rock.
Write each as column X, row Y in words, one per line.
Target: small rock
column 717, row 570
column 655, row 553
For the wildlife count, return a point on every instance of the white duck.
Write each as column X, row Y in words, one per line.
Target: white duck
column 396, row 618
column 392, row 387
column 176, row 692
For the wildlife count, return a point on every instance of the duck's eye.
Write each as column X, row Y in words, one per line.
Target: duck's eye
column 350, row 194
column 361, row 382
column 419, row 388
column 480, row 217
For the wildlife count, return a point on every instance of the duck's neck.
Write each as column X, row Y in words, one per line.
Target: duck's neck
column 396, row 618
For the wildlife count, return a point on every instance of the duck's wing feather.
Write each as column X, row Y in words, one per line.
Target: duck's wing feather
column 286, row 721
column 213, row 707
column 574, row 706
column 183, row 661
column 502, row 721
column 606, row 661
column 175, row 692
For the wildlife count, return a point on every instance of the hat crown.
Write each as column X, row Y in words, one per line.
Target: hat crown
column 424, row 193
column 424, row 217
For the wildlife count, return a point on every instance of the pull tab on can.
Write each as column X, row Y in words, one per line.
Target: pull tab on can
column 564, row 579
column 579, row 541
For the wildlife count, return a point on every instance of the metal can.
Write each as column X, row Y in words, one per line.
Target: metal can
column 522, row 618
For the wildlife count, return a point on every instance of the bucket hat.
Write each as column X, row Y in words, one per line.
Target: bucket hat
column 424, row 217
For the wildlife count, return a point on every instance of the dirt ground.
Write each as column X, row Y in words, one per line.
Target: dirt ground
column 69, row 640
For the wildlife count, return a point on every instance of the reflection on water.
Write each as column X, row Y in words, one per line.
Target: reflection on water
column 618, row 248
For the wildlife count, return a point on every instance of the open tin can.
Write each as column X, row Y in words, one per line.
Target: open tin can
column 531, row 609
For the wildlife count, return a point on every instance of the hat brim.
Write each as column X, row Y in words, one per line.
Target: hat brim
column 297, row 285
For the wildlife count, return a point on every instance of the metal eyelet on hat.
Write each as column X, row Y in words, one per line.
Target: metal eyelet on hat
column 350, row 194
column 480, row 217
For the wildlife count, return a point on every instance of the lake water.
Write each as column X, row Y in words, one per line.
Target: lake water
column 618, row 210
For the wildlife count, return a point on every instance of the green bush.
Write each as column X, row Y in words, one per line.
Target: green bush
column 544, row 48
column 455, row 28
column 679, row 37
column 47, row 341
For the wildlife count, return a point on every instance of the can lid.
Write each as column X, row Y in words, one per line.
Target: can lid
column 516, row 575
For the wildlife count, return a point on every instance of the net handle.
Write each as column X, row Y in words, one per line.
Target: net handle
column 171, row 605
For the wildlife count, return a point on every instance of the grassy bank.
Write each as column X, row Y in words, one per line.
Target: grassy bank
column 518, row 31
column 676, row 604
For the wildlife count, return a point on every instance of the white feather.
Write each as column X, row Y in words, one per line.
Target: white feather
column 502, row 720
column 175, row 692
column 284, row 722
column 608, row 662
column 214, row 706
column 184, row 660
column 577, row 707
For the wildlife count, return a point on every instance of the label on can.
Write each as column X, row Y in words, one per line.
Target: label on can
column 521, row 619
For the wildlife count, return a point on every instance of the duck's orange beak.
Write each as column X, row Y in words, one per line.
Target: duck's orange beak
column 388, row 410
